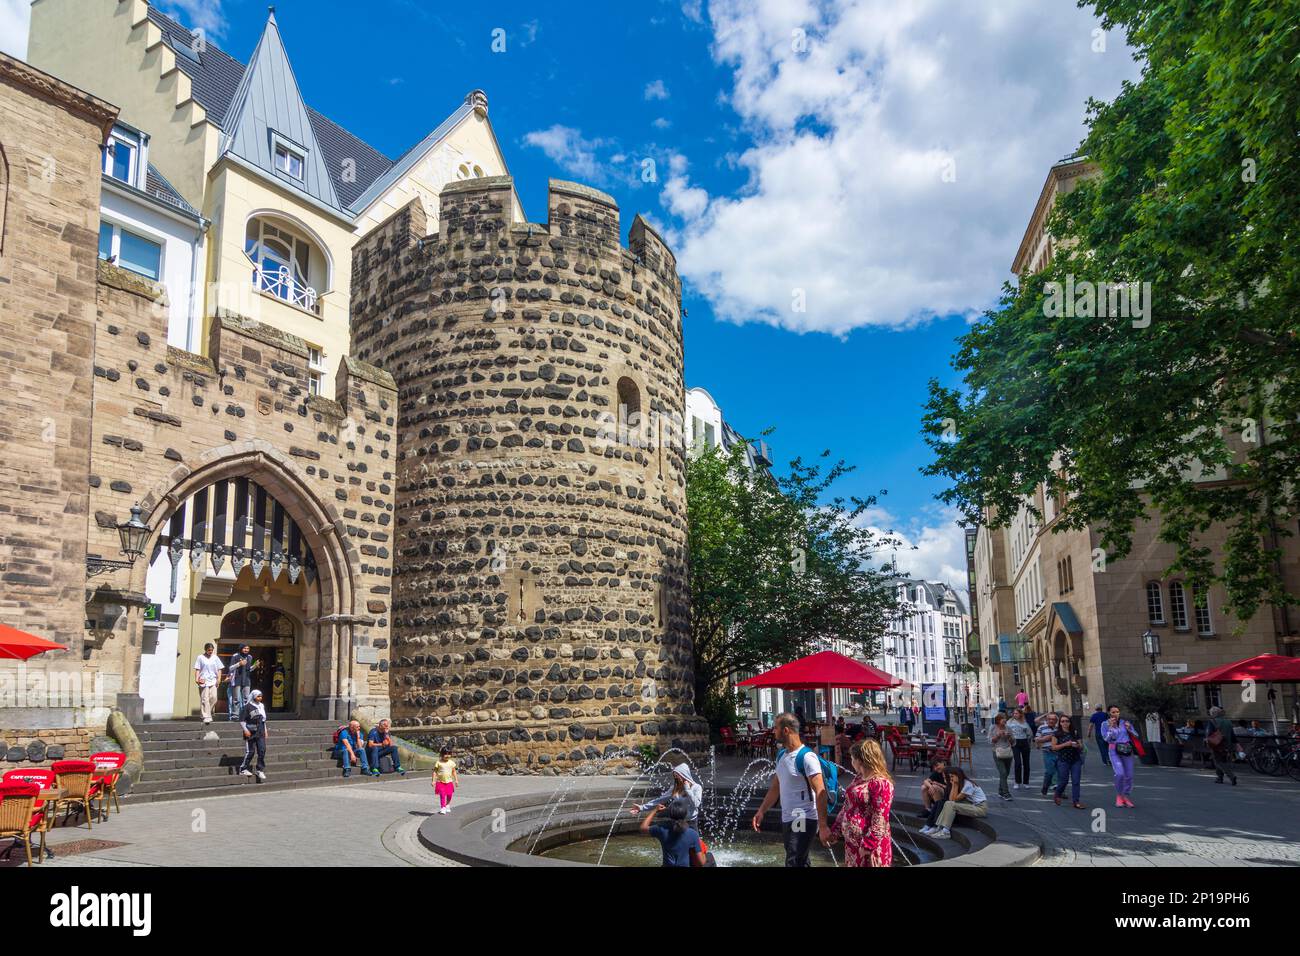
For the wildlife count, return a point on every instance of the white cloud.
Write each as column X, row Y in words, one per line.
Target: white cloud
column 205, row 15
column 566, row 147
column 662, row 122
column 15, row 17
column 931, row 546
column 855, row 122
column 656, row 90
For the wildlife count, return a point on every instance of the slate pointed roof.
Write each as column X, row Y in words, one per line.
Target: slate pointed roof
column 267, row 104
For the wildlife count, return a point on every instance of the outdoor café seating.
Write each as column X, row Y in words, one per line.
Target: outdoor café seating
column 76, row 778
column 108, row 771
column 20, row 817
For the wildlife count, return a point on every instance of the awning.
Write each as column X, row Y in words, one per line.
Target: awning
column 19, row 645
column 1069, row 620
column 1263, row 668
column 820, row 671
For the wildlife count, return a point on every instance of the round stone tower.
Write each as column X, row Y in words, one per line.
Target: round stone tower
column 540, row 614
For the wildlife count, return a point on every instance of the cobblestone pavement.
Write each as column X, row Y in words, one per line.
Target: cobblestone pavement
column 372, row 825
column 1182, row 818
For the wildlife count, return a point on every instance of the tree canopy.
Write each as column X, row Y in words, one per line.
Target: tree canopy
column 775, row 568
column 1193, row 408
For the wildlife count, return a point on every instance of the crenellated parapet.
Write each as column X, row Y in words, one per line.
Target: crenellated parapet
column 540, row 608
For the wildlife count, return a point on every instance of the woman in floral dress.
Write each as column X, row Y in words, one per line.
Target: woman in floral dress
column 863, row 821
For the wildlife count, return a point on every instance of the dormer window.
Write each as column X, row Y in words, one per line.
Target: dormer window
column 290, row 159
column 123, row 156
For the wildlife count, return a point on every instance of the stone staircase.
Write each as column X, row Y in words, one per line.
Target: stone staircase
column 180, row 765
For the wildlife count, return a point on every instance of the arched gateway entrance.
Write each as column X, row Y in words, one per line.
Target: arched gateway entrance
column 245, row 552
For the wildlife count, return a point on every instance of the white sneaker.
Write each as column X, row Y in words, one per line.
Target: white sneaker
column 943, row 833
column 261, row 777
column 245, row 773
column 927, row 829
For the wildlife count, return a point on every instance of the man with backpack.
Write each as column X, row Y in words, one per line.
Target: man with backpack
column 805, row 785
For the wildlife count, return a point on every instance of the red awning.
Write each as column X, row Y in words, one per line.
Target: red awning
column 823, row 670
column 1264, row 668
column 19, row 645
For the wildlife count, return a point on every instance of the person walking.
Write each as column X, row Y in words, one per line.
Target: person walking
column 207, row 674
column 239, row 672
column 252, row 718
column 1094, row 733
column 1222, row 744
column 797, row 782
column 863, row 821
column 1022, row 699
column 1043, row 741
column 1067, row 746
column 679, row 841
column 1021, row 734
column 445, row 778
column 964, row 799
column 1120, row 736
column 1003, row 744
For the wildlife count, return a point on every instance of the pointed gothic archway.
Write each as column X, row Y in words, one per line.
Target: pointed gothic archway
column 328, row 687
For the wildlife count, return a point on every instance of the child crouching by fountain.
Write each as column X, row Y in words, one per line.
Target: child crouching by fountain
column 445, row 778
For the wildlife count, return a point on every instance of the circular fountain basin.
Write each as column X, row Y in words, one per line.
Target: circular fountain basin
column 539, row 830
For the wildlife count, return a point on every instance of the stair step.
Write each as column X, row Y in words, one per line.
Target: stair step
column 228, row 767
column 223, row 783
column 273, row 783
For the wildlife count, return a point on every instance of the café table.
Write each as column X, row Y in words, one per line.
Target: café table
column 51, row 800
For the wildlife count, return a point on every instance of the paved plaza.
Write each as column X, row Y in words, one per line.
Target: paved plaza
column 1182, row 818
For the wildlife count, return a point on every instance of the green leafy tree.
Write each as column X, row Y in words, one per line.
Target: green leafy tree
column 1154, row 697
column 1193, row 408
column 775, row 568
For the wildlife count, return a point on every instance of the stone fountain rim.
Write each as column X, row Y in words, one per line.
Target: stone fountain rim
column 1011, row 843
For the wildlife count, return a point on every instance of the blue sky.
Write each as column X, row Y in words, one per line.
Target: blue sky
column 844, row 181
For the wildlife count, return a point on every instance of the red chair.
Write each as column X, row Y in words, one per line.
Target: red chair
column 902, row 750
column 19, row 817
column 729, row 741
column 76, row 778
column 108, row 770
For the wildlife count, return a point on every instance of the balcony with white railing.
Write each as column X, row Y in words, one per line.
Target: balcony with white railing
column 282, row 284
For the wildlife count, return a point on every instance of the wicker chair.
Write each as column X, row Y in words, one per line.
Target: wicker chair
column 19, row 817
column 76, row 778
column 108, row 770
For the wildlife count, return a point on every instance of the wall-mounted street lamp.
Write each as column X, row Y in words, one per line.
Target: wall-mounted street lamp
column 133, row 535
column 1151, row 648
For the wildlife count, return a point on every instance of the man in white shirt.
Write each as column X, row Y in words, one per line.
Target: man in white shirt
column 798, row 783
column 207, row 674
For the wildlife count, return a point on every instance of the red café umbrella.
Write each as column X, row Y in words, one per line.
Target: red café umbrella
column 1268, row 668
column 19, row 645
column 824, row 671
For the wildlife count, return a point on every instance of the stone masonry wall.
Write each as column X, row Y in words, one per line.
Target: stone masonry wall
column 160, row 413
column 50, row 136
column 540, row 614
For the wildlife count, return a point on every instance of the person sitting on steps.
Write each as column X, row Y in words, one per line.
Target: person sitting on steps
column 349, row 745
column 380, row 745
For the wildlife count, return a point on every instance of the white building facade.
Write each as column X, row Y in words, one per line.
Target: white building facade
column 926, row 644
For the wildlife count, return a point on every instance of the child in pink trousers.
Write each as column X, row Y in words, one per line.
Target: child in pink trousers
column 445, row 778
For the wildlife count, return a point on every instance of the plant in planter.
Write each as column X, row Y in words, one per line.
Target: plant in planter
column 1160, row 699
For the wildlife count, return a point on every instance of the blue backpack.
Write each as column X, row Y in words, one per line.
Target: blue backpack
column 830, row 776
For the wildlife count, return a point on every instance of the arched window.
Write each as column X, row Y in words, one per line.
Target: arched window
column 1155, row 603
column 1178, row 604
column 286, row 264
column 629, row 413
